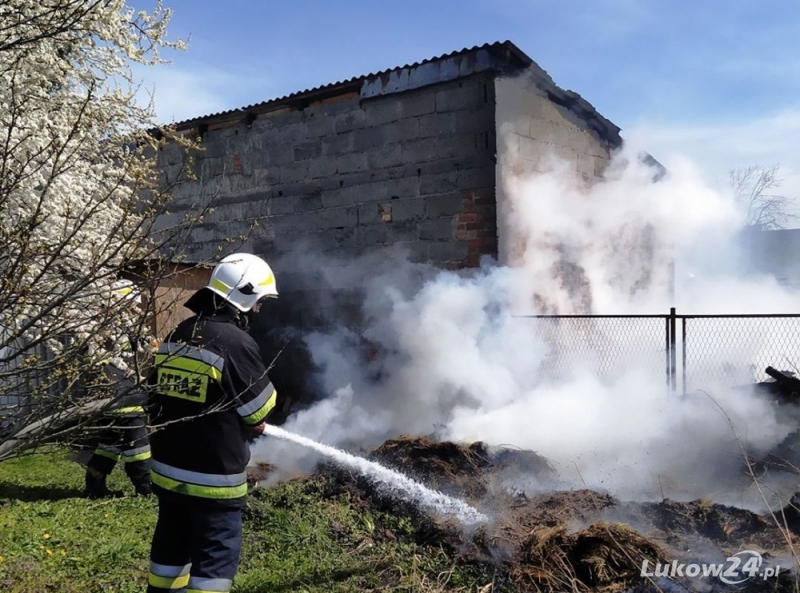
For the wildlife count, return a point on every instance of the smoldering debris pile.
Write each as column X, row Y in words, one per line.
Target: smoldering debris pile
column 462, row 470
column 580, row 541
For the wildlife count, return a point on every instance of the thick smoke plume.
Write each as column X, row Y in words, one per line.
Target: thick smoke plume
column 453, row 359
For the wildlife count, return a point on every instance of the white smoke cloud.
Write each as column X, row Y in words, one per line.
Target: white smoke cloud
column 456, row 363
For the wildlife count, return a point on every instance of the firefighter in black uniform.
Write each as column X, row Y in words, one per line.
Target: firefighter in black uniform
column 123, row 436
column 210, row 395
column 122, row 428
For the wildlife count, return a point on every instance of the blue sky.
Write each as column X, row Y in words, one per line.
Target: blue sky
column 716, row 82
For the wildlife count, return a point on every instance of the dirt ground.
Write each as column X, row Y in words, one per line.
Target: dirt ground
column 579, row 541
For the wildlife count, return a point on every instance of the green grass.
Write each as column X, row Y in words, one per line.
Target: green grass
column 296, row 539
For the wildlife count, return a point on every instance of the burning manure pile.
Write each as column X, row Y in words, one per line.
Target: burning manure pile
column 578, row 540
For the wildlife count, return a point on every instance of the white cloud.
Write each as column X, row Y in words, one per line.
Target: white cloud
column 717, row 148
column 181, row 93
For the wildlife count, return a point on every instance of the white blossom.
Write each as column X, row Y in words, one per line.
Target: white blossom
column 76, row 161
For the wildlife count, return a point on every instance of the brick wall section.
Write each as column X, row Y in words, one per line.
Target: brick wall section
column 477, row 225
column 347, row 176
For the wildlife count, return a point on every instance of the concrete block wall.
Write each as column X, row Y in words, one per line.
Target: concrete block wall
column 538, row 120
column 539, row 123
column 348, row 175
column 536, row 123
column 342, row 176
column 544, row 132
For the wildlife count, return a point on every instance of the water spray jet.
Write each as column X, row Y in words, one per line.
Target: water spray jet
column 406, row 488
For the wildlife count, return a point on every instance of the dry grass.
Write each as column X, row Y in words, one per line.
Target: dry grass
column 604, row 557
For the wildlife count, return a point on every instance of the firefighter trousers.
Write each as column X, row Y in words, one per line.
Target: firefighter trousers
column 196, row 546
column 125, row 437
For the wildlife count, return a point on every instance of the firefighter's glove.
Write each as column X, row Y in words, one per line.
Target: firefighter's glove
column 253, row 432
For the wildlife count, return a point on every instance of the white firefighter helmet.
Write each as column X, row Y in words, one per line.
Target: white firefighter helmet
column 243, row 279
column 126, row 299
column 125, row 291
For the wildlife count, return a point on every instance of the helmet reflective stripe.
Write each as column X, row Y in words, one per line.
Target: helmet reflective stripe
column 243, row 279
column 219, row 285
column 125, row 290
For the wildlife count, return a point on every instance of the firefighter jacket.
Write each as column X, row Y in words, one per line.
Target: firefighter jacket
column 129, row 398
column 123, row 429
column 120, row 429
column 208, row 387
column 106, row 380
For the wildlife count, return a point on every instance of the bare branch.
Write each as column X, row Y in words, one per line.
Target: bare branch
column 755, row 190
column 80, row 194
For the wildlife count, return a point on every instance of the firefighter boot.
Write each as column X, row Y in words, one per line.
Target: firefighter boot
column 143, row 488
column 96, row 486
column 138, row 473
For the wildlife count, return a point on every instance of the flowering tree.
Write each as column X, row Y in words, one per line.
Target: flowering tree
column 79, row 194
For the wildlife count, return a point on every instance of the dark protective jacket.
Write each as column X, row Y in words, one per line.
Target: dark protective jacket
column 123, row 435
column 129, row 399
column 106, row 380
column 119, row 431
column 208, row 385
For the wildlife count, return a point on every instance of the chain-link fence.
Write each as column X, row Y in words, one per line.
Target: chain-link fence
column 690, row 352
column 605, row 347
column 717, row 351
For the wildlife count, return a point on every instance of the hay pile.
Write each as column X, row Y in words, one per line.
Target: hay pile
column 471, row 471
column 602, row 557
column 580, row 541
column 447, row 467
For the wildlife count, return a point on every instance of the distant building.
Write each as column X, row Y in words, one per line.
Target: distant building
column 773, row 253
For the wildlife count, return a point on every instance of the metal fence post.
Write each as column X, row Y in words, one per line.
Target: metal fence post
column 666, row 353
column 673, row 359
column 683, row 351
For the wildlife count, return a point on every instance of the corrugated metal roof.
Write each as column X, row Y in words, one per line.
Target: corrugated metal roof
column 512, row 51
